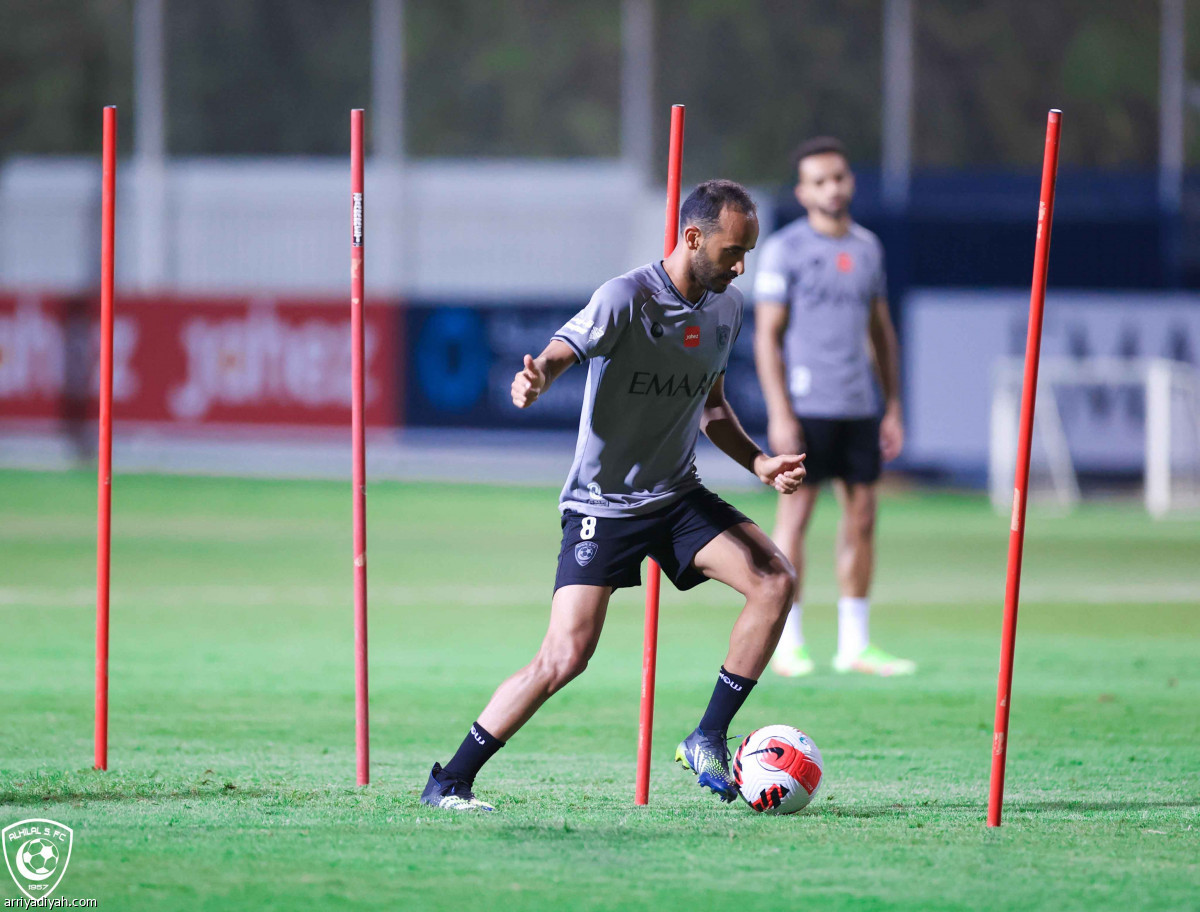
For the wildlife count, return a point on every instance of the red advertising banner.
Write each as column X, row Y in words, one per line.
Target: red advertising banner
column 259, row 361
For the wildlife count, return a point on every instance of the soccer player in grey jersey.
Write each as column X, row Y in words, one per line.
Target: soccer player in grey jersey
column 657, row 342
column 822, row 331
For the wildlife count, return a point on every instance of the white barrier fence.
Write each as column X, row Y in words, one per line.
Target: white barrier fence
column 953, row 337
column 484, row 230
column 1171, row 435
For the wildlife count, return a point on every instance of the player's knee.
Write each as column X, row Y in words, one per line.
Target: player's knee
column 566, row 669
column 777, row 584
column 860, row 516
column 557, row 665
column 862, row 525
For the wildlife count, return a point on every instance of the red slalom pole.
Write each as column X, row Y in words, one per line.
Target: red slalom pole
column 108, row 209
column 362, row 738
column 1016, row 540
column 650, row 636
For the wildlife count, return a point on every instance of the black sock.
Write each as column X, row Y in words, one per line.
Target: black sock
column 728, row 696
column 478, row 748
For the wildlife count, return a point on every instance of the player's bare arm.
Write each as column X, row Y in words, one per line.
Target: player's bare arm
column 785, row 473
column 538, row 373
column 784, row 434
column 886, row 351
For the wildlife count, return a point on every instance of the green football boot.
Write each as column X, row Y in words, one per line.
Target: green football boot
column 792, row 662
column 873, row 660
column 706, row 754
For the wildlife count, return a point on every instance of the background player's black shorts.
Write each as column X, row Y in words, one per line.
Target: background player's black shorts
column 845, row 448
column 607, row 551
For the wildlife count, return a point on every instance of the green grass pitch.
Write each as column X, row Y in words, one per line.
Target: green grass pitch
column 232, row 728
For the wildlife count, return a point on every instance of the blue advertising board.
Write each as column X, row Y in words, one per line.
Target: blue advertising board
column 462, row 358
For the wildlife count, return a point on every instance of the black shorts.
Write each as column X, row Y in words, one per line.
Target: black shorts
column 845, row 448
column 608, row 551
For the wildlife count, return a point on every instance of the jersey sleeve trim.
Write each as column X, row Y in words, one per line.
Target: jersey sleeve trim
column 579, row 355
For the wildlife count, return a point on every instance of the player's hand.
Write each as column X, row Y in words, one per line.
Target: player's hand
column 891, row 433
column 528, row 384
column 784, row 473
column 784, row 435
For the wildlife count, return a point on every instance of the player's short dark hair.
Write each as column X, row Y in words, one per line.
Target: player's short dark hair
column 704, row 205
column 818, row 145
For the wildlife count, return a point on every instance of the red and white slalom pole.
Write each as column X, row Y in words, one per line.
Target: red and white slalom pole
column 654, row 578
column 108, row 209
column 357, row 370
column 1016, row 539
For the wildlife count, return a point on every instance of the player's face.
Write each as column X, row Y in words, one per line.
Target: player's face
column 826, row 184
column 720, row 257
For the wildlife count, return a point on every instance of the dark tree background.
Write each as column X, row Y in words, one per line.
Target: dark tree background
column 542, row 78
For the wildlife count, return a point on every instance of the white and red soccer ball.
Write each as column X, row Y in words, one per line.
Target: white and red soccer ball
column 778, row 769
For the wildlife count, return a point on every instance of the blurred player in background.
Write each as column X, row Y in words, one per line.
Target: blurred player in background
column 657, row 341
column 823, row 337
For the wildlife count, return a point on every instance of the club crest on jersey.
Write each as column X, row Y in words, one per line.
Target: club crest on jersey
column 656, row 330
column 584, row 552
column 722, row 336
column 845, row 263
column 691, row 336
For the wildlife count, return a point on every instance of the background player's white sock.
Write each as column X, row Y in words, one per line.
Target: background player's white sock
column 793, row 631
column 853, row 616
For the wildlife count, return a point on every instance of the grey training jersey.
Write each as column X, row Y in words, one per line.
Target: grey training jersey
column 828, row 284
column 653, row 358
